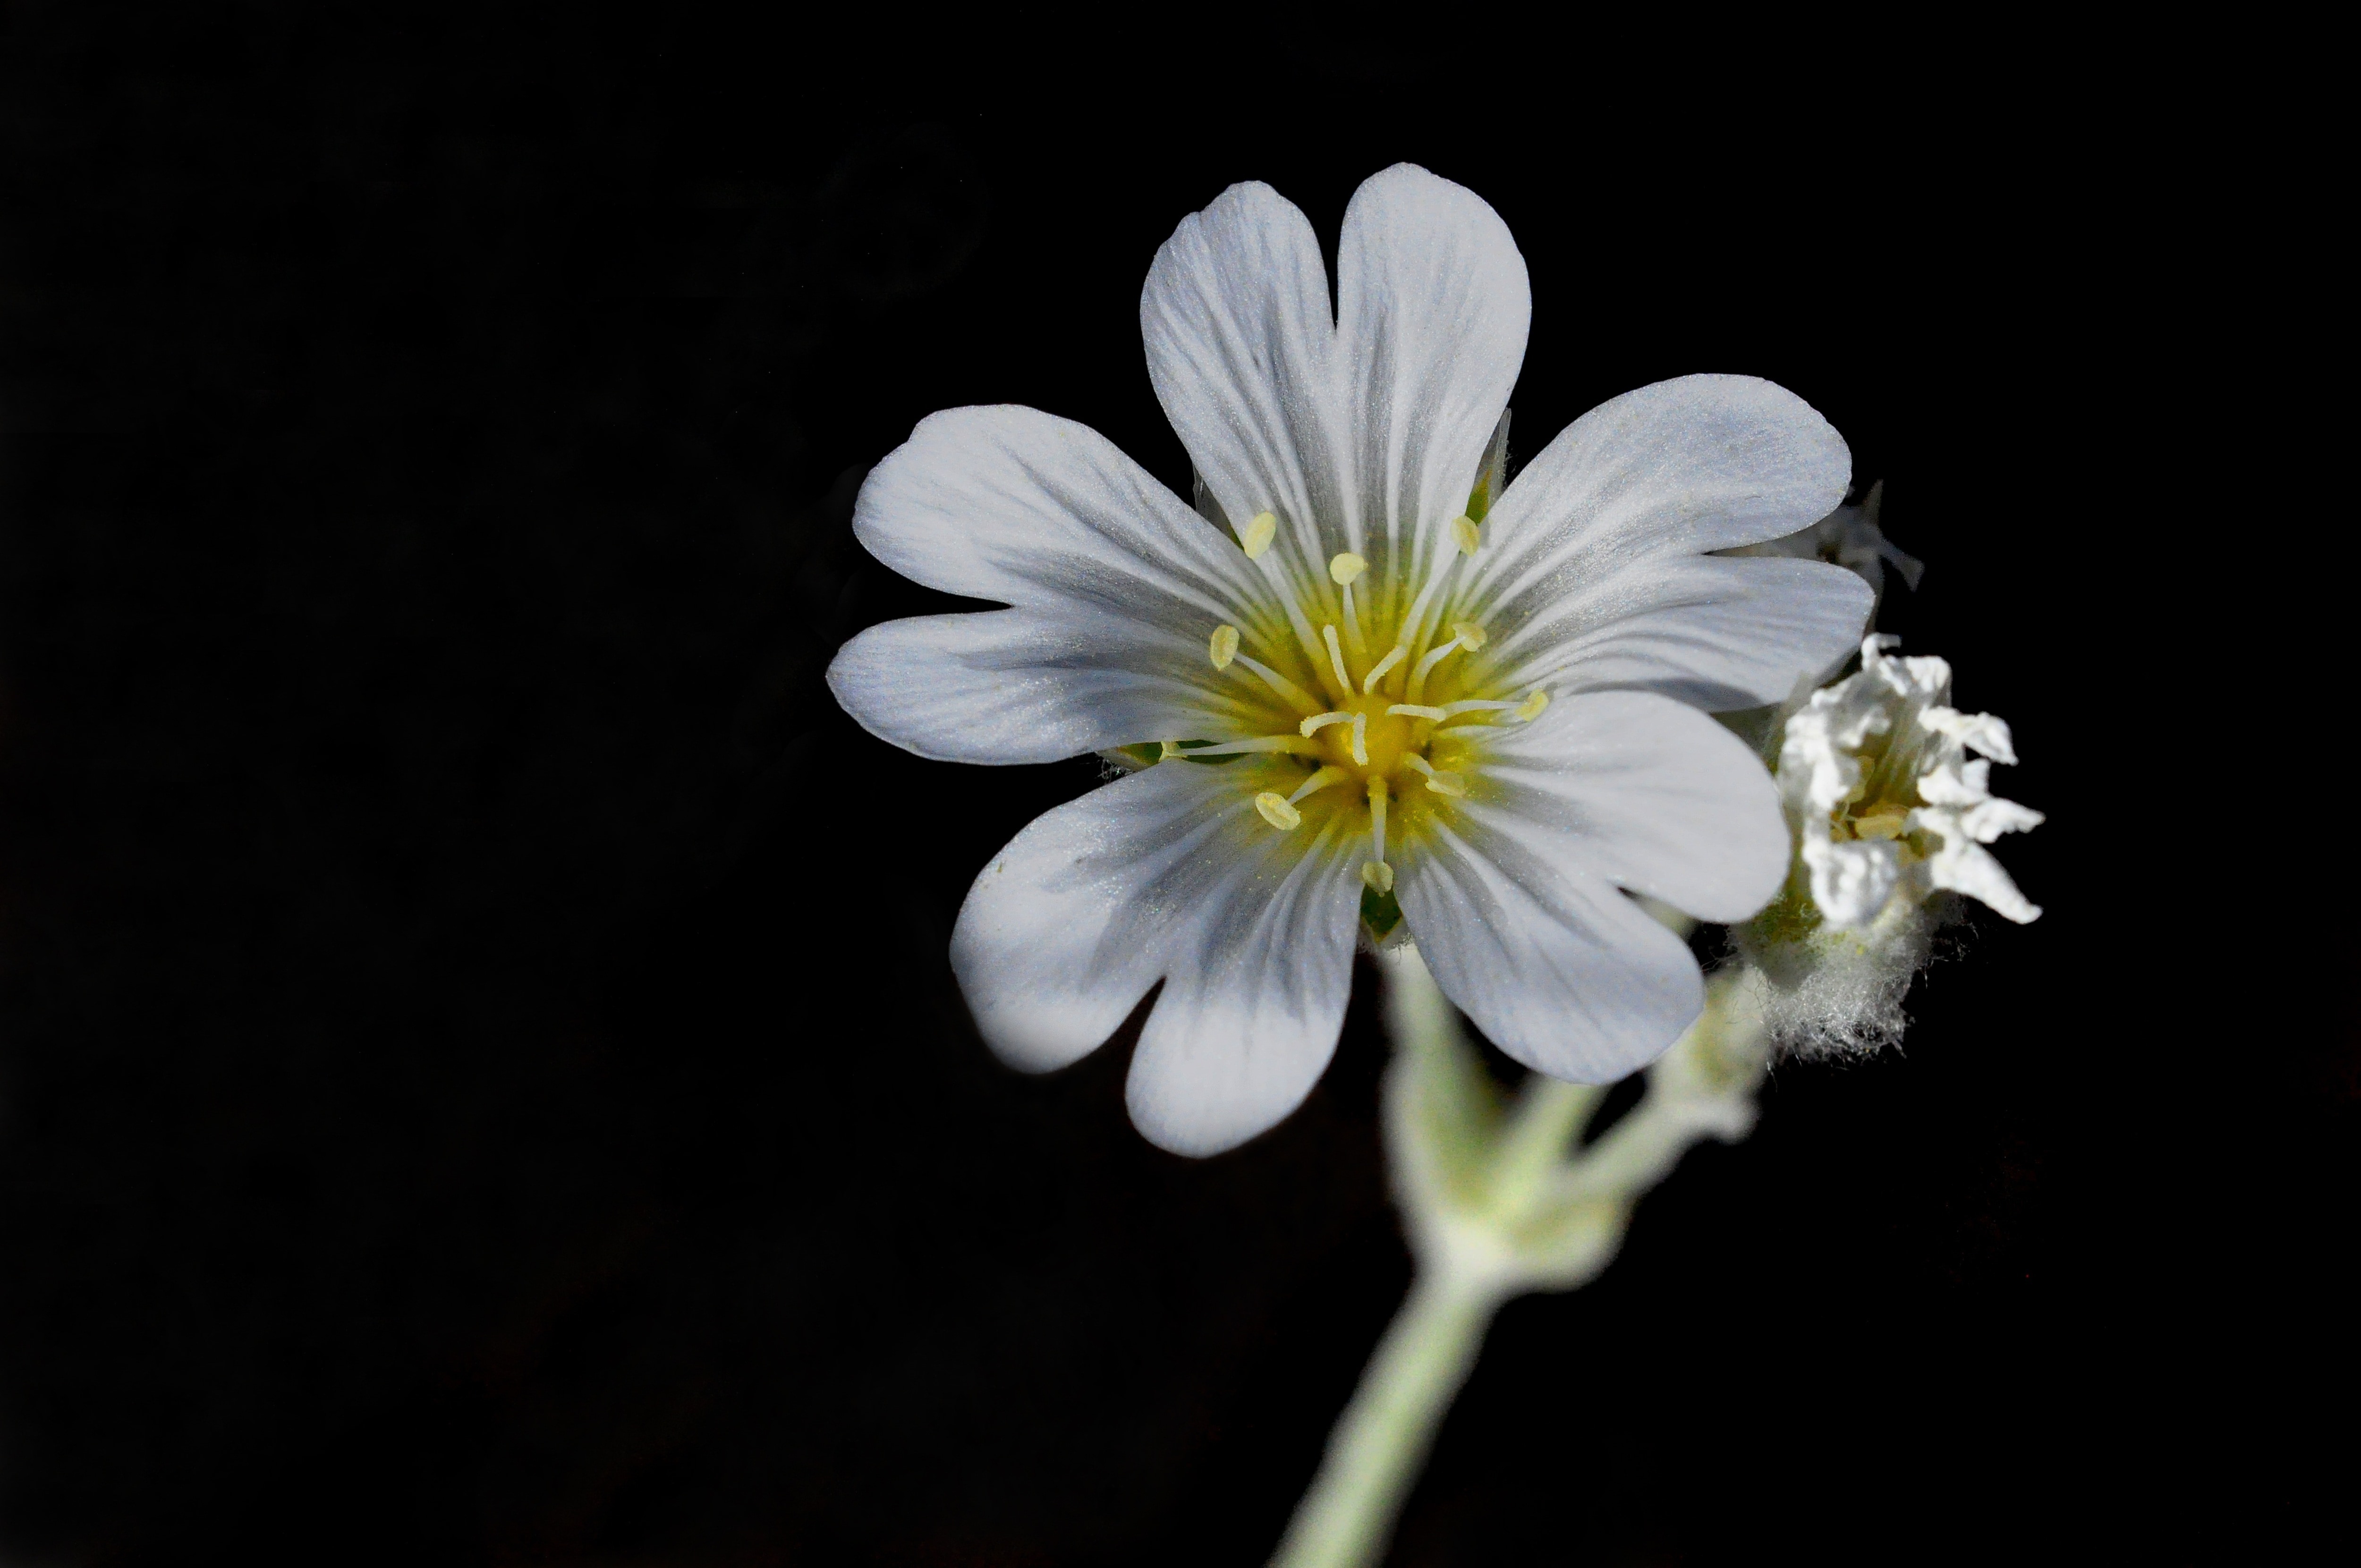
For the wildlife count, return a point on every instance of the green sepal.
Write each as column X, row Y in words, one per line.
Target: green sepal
column 1379, row 912
column 1492, row 478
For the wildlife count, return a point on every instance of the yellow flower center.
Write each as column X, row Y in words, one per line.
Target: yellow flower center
column 1368, row 699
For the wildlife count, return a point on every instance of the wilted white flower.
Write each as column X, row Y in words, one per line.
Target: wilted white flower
column 1400, row 693
column 1885, row 797
column 1889, row 809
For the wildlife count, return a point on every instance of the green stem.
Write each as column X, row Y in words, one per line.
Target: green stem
column 1380, row 1441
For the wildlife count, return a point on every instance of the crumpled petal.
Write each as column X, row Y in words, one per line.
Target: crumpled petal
column 1563, row 972
column 1168, row 872
column 1984, row 732
column 1115, row 588
column 1596, row 526
column 1363, row 432
column 1963, row 864
column 1940, row 789
column 1637, row 790
column 1850, row 880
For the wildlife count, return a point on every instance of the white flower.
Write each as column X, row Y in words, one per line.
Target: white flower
column 1885, row 799
column 1398, row 692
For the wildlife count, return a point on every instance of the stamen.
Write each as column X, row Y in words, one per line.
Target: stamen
column 1224, row 646
column 1257, row 538
column 1337, row 658
column 1353, row 637
column 1167, row 749
column 1377, row 876
column 1471, row 636
column 1320, row 721
column 1468, row 536
column 1319, row 781
column 1361, row 740
column 1530, row 708
column 1438, row 781
column 1475, row 705
column 1287, row 743
column 1387, row 662
column 1413, row 710
column 1344, row 568
column 1276, row 811
column 1413, row 624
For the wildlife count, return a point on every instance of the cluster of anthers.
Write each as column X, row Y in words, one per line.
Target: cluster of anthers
column 1401, row 700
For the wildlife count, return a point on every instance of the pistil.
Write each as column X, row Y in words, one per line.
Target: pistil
column 1437, row 780
column 1377, row 671
column 1465, row 634
column 1331, row 775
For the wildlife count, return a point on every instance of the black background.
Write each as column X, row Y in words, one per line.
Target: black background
column 479, row 1077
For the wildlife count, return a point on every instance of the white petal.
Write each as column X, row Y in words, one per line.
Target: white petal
column 1567, row 975
column 1679, row 468
column 1433, row 309
column 1362, row 431
column 1718, row 633
column 1251, row 1010
column 1242, row 352
column 1168, row 872
column 1637, row 790
column 1117, row 587
column 1018, row 685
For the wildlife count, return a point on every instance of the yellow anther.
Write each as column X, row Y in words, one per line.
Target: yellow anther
column 1883, row 824
column 1470, row 635
column 1257, row 537
column 1452, row 784
column 1166, row 750
column 1379, row 875
column 1412, row 710
column 1344, row 568
column 1276, row 811
column 1361, row 740
column 1318, row 722
column 1225, row 646
column 1530, row 708
column 1465, row 530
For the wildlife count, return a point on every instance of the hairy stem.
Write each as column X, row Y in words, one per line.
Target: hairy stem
column 1381, row 1439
